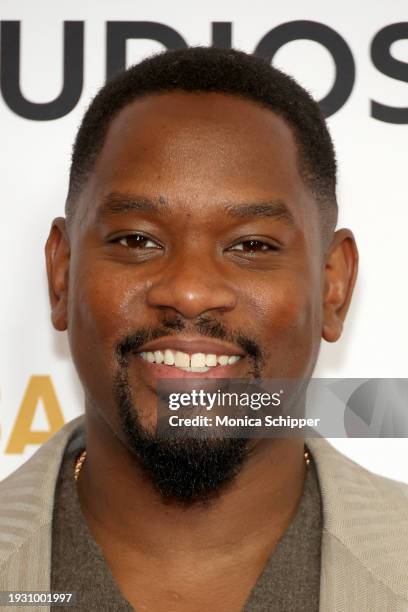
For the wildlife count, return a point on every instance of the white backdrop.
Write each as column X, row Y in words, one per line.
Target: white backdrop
column 38, row 386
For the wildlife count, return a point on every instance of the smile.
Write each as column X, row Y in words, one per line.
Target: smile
column 196, row 362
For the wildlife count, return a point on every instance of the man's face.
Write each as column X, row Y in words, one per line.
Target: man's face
column 195, row 233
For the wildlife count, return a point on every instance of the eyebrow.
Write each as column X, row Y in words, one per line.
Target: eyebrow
column 119, row 203
column 275, row 208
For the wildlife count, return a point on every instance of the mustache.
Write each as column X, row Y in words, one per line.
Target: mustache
column 204, row 326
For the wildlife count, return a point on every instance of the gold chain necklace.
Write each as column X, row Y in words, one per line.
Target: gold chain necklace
column 79, row 463
column 81, row 460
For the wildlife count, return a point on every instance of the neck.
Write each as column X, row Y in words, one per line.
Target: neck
column 124, row 511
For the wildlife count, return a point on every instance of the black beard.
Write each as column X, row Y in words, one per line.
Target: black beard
column 187, row 470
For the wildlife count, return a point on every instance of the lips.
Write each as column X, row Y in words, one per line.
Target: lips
column 192, row 345
column 190, row 355
column 197, row 362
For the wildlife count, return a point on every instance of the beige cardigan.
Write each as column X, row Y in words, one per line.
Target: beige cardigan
column 364, row 542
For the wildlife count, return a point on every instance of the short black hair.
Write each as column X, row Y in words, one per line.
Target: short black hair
column 226, row 71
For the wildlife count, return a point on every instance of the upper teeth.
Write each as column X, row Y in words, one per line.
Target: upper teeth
column 184, row 360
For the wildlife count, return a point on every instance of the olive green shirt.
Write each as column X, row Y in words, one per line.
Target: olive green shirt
column 290, row 581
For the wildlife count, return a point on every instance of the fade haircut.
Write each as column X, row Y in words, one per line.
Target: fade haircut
column 206, row 69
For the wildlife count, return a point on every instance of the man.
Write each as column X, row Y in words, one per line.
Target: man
column 199, row 242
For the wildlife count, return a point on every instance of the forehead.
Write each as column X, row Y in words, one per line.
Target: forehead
column 199, row 149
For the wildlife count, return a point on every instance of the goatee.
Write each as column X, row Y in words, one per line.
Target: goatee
column 186, row 470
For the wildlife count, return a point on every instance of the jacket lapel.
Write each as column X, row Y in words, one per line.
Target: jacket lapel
column 26, row 505
column 365, row 536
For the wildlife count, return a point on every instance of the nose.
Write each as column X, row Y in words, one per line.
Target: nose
column 192, row 286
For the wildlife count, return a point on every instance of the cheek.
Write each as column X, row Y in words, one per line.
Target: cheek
column 288, row 318
column 102, row 302
column 101, row 312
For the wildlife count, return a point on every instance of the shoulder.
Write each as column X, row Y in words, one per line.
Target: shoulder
column 40, row 469
column 341, row 476
column 365, row 524
column 26, row 507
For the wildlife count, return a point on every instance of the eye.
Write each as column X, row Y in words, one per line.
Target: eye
column 253, row 246
column 137, row 241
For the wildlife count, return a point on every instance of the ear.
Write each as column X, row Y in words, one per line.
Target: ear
column 57, row 253
column 340, row 276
